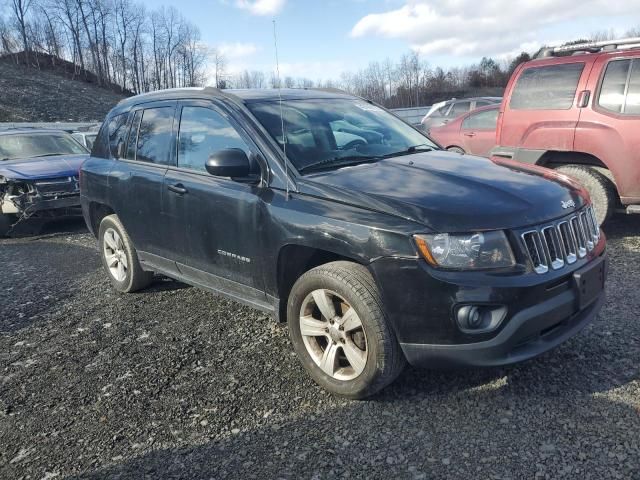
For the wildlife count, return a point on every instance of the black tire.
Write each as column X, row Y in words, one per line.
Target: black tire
column 135, row 278
column 353, row 283
column 602, row 190
column 456, row 150
column 6, row 223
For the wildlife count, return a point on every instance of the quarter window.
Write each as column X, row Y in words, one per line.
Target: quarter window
column 203, row 132
column 547, row 88
column 620, row 90
column 118, row 129
column 154, row 136
column 481, row 121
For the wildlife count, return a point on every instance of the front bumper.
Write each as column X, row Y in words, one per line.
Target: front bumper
column 543, row 311
column 64, row 203
column 528, row 334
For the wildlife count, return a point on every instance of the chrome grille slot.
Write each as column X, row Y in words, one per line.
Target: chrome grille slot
column 553, row 247
column 568, row 242
column 586, row 229
column 580, row 237
column 560, row 243
column 57, row 186
column 536, row 251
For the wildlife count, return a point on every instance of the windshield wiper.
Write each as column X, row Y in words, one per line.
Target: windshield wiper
column 47, row 155
column 339, row 162
column 423, row 147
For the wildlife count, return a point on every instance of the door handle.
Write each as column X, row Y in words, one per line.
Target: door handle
column 470, row 134
column 178, row 188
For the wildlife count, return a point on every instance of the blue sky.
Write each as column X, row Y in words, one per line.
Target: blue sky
column 321, row 39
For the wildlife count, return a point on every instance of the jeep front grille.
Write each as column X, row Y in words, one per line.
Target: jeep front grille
column 552, row 246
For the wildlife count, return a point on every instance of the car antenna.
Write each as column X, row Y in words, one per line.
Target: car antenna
column 284, row 135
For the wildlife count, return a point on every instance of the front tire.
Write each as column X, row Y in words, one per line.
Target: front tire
column 339, row 331
column 456, row 150
column 602, row 190
column 119, row 257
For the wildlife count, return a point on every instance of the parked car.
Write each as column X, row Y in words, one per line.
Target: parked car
column 375, row 253
column 86, row 139
column 473, row 133
column 38, row 175
column 442, row 113
column 579, row 114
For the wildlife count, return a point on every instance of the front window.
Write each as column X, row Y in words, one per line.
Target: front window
column 328, row 134
column 25, row 146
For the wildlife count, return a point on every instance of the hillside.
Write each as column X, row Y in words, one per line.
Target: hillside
column 31, row 95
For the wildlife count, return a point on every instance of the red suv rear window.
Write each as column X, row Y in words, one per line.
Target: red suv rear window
column 550, row 87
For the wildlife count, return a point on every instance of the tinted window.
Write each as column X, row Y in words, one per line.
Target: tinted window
column 632, row 105
column 459, row 108
column 481, row 121
column 202, row 132
column 547, row 88
column 100, row 146
column 482, row 103
column 620, row 90
column 133, row 136
column 118, row 129
column 613, row 85
column 154, row 136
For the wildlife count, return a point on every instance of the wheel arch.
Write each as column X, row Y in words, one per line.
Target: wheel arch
column 97, row 212
column 293, row 261
column 553, row 159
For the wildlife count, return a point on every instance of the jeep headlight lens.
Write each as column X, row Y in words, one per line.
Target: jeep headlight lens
column 472, row 251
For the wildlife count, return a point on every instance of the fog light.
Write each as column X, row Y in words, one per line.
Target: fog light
column 480, row 318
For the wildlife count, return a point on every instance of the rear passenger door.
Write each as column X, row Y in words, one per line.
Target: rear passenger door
column 479, row 132
column 541, row 113
column 138, row 179
column 216, row 219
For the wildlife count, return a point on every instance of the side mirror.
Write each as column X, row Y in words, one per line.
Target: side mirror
column 231, row 162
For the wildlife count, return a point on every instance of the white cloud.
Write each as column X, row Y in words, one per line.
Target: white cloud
column 469, row 27
column 238, row 50
column 261, row 7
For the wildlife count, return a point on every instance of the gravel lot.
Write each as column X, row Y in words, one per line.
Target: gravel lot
column 176, row 383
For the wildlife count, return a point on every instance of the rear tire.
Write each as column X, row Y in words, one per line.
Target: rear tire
column 602, row 190
column 6, row 223
column 119, row 257
column 348, row 346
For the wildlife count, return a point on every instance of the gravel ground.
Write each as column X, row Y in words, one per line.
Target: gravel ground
column 176, row 383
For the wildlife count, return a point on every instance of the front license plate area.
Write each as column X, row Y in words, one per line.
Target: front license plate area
column 589, row 282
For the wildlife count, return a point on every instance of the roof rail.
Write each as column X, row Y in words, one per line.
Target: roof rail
column 592, row 47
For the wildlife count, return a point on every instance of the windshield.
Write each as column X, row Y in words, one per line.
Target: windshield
column 337, row 132
column 38, row 145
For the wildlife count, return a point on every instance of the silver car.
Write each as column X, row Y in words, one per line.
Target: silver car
column 442, row 113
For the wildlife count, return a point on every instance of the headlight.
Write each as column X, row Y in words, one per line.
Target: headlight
column 473, row 251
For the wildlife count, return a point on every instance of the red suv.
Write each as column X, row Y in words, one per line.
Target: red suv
column 577, row 109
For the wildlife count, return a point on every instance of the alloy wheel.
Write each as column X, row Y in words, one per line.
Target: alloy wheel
column 115, row 255
column 333, row 334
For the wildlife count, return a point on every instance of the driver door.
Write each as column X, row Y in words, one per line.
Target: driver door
column 216, row 220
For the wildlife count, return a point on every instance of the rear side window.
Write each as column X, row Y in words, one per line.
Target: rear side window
column 133, row 136
column 547, row 88
column 620, row 90
column 203, row 132
column 118, row 130
column 154, row 136
column 459, row 108
column 481, row 121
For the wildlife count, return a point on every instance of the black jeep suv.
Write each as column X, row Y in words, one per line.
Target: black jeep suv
column 330, row 213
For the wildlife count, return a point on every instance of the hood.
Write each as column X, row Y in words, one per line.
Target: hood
column 448, row 192
column 42, row 167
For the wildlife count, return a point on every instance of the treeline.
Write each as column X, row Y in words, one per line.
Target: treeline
column 120, row 42
column 408, row 83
